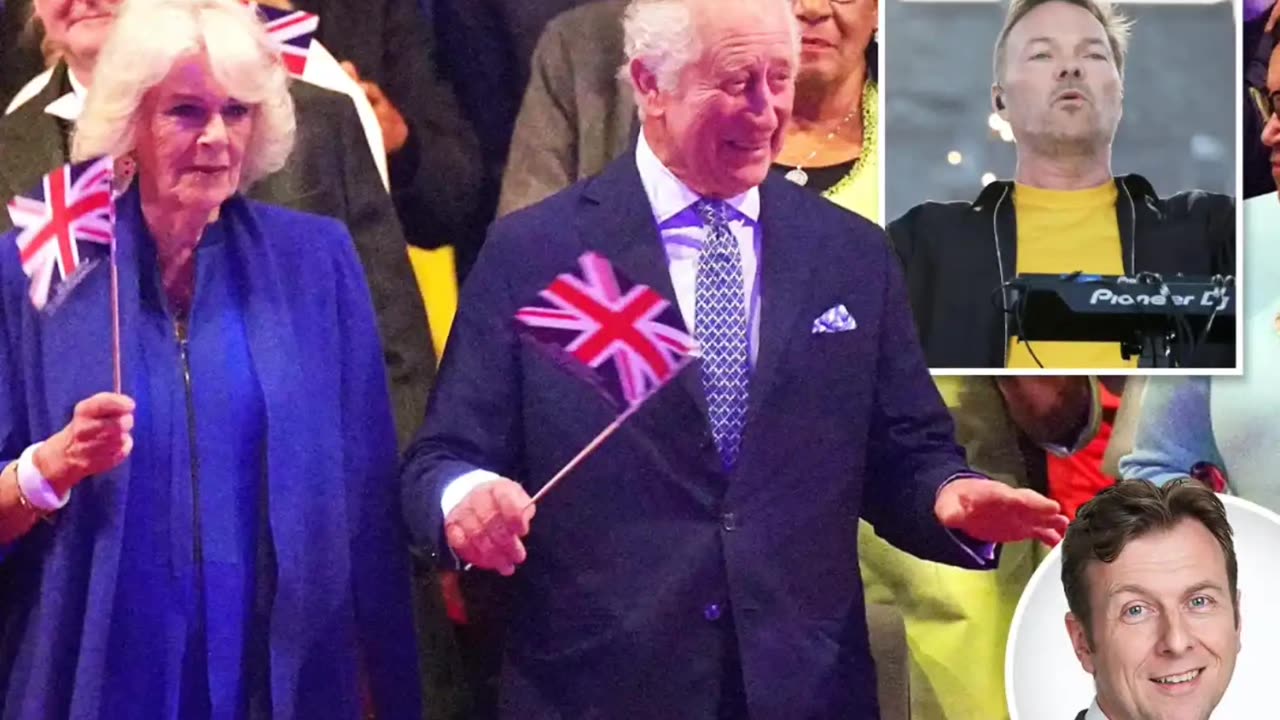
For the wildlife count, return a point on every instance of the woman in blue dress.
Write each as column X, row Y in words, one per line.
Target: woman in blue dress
column 224, row 536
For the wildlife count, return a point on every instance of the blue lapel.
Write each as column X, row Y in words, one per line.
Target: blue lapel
column 789, row 258
column 614, row 219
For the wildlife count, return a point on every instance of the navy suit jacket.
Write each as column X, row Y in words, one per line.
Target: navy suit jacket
column 645, row 559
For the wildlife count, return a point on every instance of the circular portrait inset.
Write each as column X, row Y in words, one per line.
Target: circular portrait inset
column 1157, row 604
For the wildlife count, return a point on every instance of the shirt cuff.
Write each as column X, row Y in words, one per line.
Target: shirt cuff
column 34, row 487
column 983, row 552
column 454, row 493
column 458, row 488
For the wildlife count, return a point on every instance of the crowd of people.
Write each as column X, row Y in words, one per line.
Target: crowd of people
column 271, row 513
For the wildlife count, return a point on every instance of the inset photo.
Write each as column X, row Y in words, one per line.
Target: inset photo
column 1060, row 182
column 1157, row 604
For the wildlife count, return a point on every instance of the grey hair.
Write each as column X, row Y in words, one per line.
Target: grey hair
column 149, row 38
column 661, row 34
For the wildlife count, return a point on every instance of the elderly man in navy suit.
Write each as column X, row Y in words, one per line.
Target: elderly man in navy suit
column 703, row 562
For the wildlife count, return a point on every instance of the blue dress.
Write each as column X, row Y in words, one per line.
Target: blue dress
column 204, row 662
column 248, row 560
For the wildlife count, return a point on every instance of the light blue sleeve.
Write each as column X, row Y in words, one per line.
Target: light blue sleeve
column 1174, row 431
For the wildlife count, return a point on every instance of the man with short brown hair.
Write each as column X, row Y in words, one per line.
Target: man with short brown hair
column 1150, row 576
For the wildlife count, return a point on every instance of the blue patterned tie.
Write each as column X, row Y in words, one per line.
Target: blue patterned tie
column 720, row 317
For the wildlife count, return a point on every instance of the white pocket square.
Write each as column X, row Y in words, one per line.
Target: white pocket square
column 835, row 320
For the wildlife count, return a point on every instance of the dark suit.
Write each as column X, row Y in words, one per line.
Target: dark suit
column 329, row 173
column 19, row 55
column 650, row 569
column 1082, row 714
column 435, row 177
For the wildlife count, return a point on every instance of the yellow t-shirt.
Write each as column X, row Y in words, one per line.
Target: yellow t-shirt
column 1062, row 231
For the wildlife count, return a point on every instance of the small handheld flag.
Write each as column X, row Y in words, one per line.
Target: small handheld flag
column 72, row 205
column 293, row 30
column 629, row 338
column 75, row 203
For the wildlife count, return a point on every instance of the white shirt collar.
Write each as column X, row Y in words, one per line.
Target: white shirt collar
column 1095, row 712
column 71, row 105
column 668, row 195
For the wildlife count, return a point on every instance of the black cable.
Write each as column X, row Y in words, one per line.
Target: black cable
column 1182, row 347
column 1223, row 285
column 1022, row 309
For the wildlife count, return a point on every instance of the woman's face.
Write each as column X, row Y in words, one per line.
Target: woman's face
column 77, row 27
column 834, row 36
column 191, row 138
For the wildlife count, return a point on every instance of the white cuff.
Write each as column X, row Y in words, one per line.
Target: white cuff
column 34, row 487
column 458, row 488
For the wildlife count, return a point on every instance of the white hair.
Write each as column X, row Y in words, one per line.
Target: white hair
column 661, row 35
column 149, row 38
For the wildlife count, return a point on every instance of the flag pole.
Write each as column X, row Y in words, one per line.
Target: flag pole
column 127, row 166
column 610, row 429
column 117, row 385
column 583, row 454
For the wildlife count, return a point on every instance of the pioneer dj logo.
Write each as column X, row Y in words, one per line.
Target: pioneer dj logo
column 1209, row 299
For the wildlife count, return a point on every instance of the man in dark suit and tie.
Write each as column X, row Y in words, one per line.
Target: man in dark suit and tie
column 703, row 562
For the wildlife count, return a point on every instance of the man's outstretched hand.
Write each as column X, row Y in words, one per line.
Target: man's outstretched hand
column 991, row 511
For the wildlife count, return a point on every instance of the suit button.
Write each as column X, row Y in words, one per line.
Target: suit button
column 712, row 612
column 729, row 522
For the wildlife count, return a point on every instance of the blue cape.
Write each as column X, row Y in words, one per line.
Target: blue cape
column 75, row 608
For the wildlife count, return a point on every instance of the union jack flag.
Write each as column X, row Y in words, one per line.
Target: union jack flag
column 72, row 205
column 632, row 339
column 293, row 30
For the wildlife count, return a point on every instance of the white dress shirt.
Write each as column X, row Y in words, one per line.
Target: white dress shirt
column 322, row 70
column 1095, row 712
column 682, row 238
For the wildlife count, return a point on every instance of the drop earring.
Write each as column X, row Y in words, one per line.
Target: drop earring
column 125, row 168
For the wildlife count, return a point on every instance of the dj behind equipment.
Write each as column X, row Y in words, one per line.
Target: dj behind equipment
column 1162, row 322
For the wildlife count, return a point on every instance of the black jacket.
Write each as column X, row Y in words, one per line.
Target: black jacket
column 435, row 177
column 484, row 50
column 330, row 172
column 957, row 254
